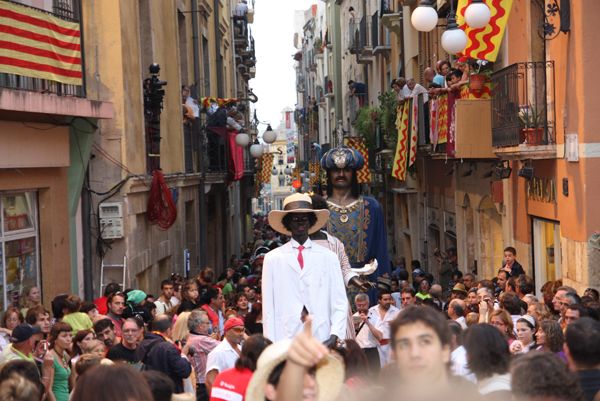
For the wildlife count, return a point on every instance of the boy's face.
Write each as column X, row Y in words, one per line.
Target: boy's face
column 420, row 355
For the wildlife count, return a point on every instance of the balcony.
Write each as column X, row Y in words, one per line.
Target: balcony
column 359, row 40
column 523, row 115
column 68, row 11
column 467, row 136
column 380, row 37
column 39, row 94
column 391, row 19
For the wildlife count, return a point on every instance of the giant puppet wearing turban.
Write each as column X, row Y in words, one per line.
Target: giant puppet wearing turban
column 355, row 219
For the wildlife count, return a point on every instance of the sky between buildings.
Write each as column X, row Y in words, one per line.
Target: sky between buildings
column 275, row 83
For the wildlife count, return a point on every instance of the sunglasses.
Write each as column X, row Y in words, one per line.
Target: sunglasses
column 298, row 219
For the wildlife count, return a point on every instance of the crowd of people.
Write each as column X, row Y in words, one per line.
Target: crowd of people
column 457, row 337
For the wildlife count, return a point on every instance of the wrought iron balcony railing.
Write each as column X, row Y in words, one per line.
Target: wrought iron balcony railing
column 523, row 104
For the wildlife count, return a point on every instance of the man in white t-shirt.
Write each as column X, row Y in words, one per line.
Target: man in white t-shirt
column 225, row 354
column 367, row 335
column 163, row 303
column 381, row 315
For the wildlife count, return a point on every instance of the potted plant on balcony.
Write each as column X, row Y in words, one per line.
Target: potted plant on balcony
column 481, row 74
column 366, row 123
column 318, row 45
column 532, row 130
column 388, row 105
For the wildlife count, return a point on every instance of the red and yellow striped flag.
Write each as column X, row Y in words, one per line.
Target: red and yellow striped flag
column 484, row 43
column 364, row 174
column 39, row 45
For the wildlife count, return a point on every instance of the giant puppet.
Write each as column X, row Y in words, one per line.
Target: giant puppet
column 355, row 219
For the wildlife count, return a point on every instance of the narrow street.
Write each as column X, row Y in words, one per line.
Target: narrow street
column 184, row 182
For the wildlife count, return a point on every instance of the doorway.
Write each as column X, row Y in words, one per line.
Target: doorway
column 546, row 252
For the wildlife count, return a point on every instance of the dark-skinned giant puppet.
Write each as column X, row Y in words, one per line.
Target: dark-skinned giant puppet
column 355, row 219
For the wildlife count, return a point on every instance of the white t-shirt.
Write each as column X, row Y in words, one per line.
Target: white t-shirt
column 223, row 357
column 364, row 338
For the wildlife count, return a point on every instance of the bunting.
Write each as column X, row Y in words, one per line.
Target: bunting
column 38, row 45
column 364, row 174
column 401, row 155
column 484, row 43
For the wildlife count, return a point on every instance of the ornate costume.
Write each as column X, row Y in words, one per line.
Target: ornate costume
column 360, row 225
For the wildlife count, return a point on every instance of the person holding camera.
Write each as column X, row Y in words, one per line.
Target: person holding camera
column 367, row 335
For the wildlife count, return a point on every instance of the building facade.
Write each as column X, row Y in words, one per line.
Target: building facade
column 502, row 181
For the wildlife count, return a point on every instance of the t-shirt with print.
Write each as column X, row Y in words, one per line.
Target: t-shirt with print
column 230, row 385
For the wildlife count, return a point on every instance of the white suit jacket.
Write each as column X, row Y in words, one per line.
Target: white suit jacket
column 286, row 289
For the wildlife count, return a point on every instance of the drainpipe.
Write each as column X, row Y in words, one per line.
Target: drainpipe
column 217, row 17
column 201, row 135
column 402, row 73
column 86, row 214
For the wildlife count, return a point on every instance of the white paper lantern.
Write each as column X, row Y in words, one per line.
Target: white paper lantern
column 454, row 40
column 478, row 14
column 287, row 170
column 424, row 18
column 269, row 136
column 242, row 139
column 256, row 150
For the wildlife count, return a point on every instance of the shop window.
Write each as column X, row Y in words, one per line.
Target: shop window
column 19, row 254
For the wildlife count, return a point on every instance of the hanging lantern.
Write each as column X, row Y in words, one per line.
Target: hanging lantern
column 269, row 136
column 274, row 171
column 287, row 170
column 425, row 17
column 454, row 39
column 296, row 184
column 256, row 150
column 242, row 139
column 477, row 14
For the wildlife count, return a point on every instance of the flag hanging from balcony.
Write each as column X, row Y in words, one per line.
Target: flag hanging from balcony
column 484, row 43
column 364, row 174
column 38, row 45
column 401, row 155
column 266, row 167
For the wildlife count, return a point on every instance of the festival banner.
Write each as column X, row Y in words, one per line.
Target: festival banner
column 484, row 43
column 401, row 155
column 364, row 174
column 442, row 118
column 38, row 45
column 266, row 167
column 414, row 125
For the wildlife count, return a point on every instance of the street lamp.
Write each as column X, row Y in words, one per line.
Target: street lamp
column 269, row 136
column 425, row 17
column 256, row 150
column 242, row 139
column 454, row 39
column 477, row 14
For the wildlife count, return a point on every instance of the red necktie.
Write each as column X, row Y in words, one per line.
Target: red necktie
column 300, row 258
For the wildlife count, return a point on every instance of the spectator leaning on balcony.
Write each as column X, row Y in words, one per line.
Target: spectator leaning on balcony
column 240, row 17
column 443, row 68
column 359, row 90
column 416, row 90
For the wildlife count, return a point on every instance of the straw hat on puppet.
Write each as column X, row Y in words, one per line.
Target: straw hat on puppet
column 297, row 203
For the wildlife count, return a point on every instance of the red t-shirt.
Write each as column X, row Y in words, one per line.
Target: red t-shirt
column 101, row 305
column 230, row 385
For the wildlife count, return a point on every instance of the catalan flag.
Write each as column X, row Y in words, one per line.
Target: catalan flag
column 484, row 43
column 36, row 44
